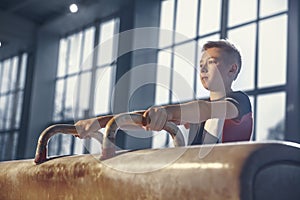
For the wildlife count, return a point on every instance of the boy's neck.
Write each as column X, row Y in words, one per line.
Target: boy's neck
column 217, row 95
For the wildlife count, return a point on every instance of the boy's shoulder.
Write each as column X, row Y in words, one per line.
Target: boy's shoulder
column 237, row 94
column 241, row 100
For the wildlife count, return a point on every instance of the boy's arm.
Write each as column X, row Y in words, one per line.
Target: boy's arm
column 192, row 112
column 200, row 110
column 87, row 126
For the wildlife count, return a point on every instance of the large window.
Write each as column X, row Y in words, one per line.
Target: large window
column 85, row 75
column 12, row 83
column 257, row 27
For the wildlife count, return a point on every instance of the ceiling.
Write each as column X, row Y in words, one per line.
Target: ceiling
column 41, row 11
column 21, row 19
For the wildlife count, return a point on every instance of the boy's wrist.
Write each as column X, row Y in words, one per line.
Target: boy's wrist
column 171, row 112
column 102, row 120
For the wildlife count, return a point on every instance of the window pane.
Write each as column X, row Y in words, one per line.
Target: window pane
column 84, row 94
column 272, row 51
column 106, row 45
column 88, row 48
column 14, row 70
column 15, row 145
column 186, row 19
column 6, row 76
column 23, row 71
column 9, row 107
column 208, row 22
column 107, row 30
column 241, row 11
column 4, row 140
column 2, row 111
column 19, row 108
column 75, row 53
column 70, row 96
column 103, row 90
column 1, row 74
column 53, row 145
column 58, row 105
column 62, row 59
column 183, row 73
column 269, row 7
column 78, row 146
column 166, row 22
column 66, row 145
column 95, row 147
column 244, row 38
column 60, row 144
column 270, row 121
column 163, row 77
column 160, row 139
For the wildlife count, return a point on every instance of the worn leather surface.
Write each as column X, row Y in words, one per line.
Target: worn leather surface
column 197, row 172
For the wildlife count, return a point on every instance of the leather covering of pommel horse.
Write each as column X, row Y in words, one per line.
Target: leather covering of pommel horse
column 244, row 170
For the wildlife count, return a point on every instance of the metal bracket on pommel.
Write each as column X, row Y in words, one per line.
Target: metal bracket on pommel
column 108, row 147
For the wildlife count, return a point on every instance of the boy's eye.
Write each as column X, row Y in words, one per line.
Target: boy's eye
column 210, row 62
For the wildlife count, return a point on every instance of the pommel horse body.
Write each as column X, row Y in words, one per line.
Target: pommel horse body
column 241, row 170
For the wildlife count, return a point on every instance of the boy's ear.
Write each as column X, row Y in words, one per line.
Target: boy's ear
column 233, row 69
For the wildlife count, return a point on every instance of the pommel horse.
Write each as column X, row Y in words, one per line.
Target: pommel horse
column 240, row 170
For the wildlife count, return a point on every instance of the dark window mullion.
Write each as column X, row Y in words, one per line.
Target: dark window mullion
column 256, row 72
column 113, row 64
column 172, row 50
column 196, row 50
column 224, row 18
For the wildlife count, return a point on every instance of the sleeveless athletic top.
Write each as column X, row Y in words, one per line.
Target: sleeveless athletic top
column 237, row 129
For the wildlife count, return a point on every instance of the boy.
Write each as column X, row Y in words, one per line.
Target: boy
column 225, row 117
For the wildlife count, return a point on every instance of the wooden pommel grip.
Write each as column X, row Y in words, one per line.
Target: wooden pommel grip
column 108, row 147
column 41, row 150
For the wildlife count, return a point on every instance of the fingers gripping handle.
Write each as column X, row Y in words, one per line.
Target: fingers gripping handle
column 41, row 150
column 108, row 147
column 109, row 135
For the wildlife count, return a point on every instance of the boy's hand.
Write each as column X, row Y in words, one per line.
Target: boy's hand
column 87, row 127
column 156, row 118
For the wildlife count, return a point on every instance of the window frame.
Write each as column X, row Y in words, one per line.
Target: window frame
column 56, row 143
column 10, row 132
column 223, row 32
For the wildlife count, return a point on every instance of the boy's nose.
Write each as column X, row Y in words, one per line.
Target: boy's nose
column 203, row 68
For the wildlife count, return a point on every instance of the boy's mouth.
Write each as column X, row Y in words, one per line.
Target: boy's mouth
column 204, row 78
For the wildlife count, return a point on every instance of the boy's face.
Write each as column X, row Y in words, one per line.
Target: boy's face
column 214, row 71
